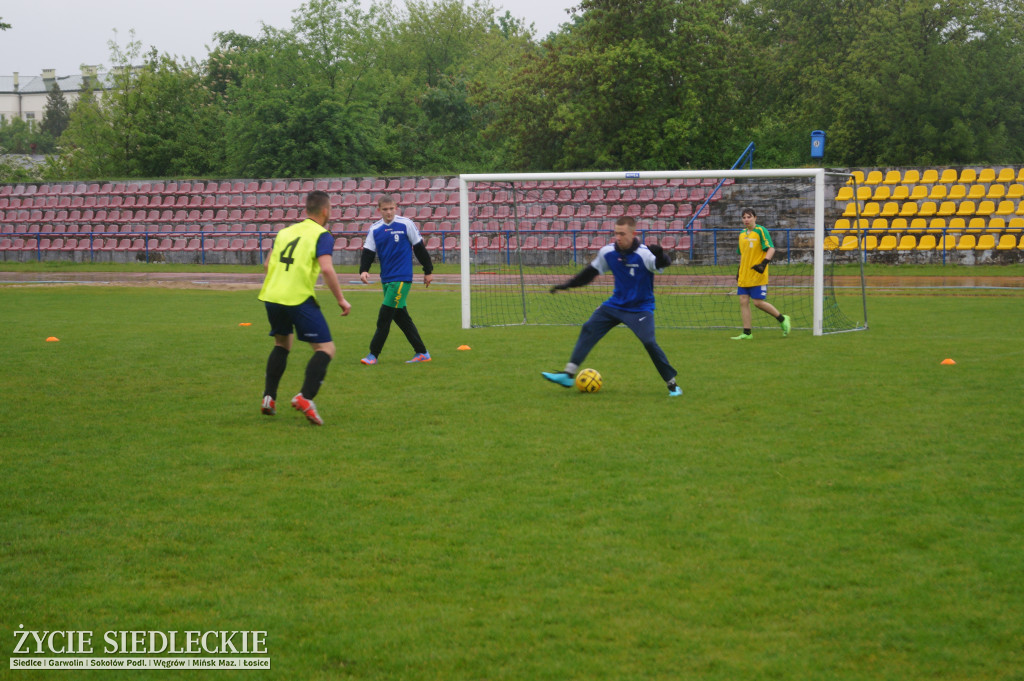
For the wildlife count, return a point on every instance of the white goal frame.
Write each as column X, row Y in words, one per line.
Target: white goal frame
column 818, row 174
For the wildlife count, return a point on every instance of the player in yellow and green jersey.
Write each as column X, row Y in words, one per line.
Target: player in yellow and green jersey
column 756, row 250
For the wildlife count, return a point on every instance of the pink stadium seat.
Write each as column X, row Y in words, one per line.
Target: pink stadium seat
column 340, row 243
column 451, row 243
column 355, row 244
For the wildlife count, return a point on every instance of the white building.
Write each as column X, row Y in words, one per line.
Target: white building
column 25, row 98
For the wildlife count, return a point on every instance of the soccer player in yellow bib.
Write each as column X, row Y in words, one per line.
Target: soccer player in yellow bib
column 756, row 250
column 301, row 253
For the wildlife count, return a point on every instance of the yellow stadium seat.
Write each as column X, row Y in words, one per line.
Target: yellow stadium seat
column 888, row 243
column 986, row 176
column 938, row 192
column 859, row 225
column 849, row 243
column 957, row 225
column 856, row 177
column 919, row 193
column 844, row 194
column 870, row 242
column 1021, row 246
column 1015, row 191
column 1020, row 175
column 851, row 210
column 870, row 210
column 831, row 243
column 946, row 243
column 898, row 225
column 863, row 193
column 842, row 225
column 890, row 209
column 927, row 243
column 1015, row 225
column 874, row 177
column 957, row 192
column 976, row 225
column 930, row 176
column 995, row 192
column 976, row 192
column 948, row 176
column 908, row 209
column 882, row 193
column 912, row 176
column 1004, row 208
column 918, row 225
column 996, row 225
column 900, row 193
column 947, row 208
column 968, row 175
column 966, row 208
column 937, row 225
column 1020, row 209
column 1005, row 176
column 1007, row 242
column 986, row 242
column 892, row 177
column 966, row 243
column 928, row 209
column 880, row 225
column 986, row 208
column 908, row 242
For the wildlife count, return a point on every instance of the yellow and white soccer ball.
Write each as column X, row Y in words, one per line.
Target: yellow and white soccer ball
column 588, row 381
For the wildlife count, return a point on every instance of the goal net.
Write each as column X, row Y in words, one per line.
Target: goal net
column 522, row 233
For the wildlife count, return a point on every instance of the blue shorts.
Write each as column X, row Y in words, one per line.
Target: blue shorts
column 307, row 319
column 755, row 292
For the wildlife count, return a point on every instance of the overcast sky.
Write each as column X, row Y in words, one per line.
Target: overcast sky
column 64, row 34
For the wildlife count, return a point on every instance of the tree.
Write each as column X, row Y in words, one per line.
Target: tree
column 56, row 113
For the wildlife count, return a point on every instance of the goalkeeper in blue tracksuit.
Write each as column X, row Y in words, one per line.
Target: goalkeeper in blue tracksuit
column 632, row 302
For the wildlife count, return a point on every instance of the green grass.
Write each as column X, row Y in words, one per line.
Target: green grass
column 813, row 508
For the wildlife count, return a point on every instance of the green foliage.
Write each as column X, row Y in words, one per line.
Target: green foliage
column 18, row 136
column 56, row 113
column 449, row 86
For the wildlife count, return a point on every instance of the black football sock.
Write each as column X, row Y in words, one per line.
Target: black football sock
column 276, row 364
column 781, row 318
column 315, row 372
column 746, row 331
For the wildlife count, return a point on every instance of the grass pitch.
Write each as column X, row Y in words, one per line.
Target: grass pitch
column 813, row 508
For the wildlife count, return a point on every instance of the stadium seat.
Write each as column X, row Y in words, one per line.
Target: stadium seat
column 1020, row 209
column 831, row 243
column 887, row 243
column 564, row 243
column 845, row 193
column 908, row 242
column 975, row 226
column 849, row 243
column 1005, row 176
column 1007, row 242
column 955, row 225
column 968, row 175
column 948, row 176
column 946, row 243
column 995, row 192
column 871, row 210
column 882, row 193
column 947, row 208
column 986, row 176
column 863, row 193
column 929, row 176
column 928, row 209
column 966, row 208
column 900, row 193
column 892, row 177
column 976, row 192
column 927, row 243
column 908, row 209
column 938, row 192
column 879, row 225
column 996, row 225
column 986, row 242
column 957, row 192
column 967, row 243
column 1015, row 191
column 986, row 208
column 874, row 177
column 890, row 209
column 856, row 177
column 1015, row 225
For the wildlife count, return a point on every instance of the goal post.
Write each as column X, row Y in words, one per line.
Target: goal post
column 510, row 250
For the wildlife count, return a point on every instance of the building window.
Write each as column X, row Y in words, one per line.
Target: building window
column 30, row 116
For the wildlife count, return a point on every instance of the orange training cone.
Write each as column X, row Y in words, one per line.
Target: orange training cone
column 52, row 339
column 947, row 361
column 464, row 347
column 245, row 324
